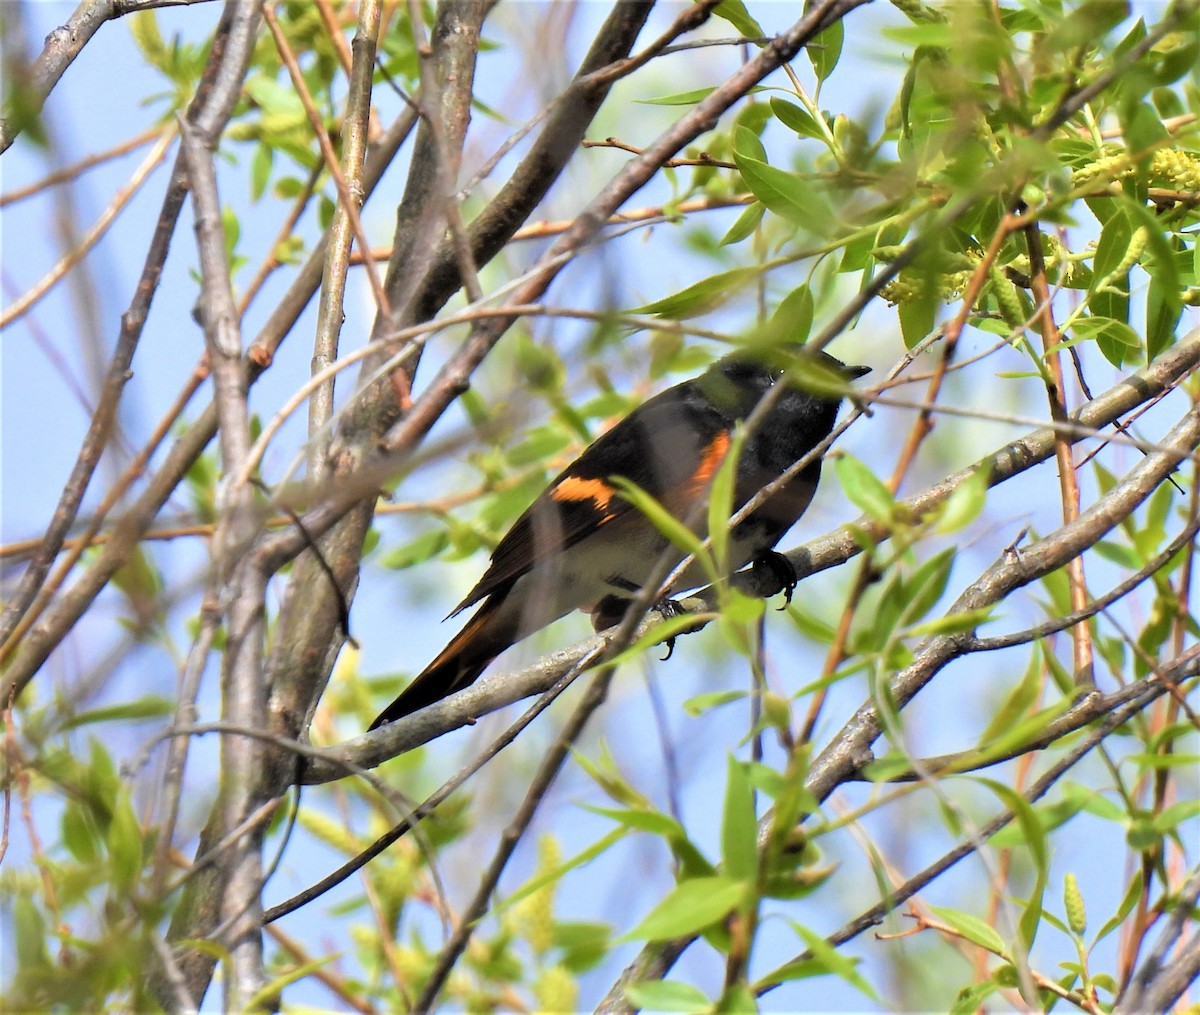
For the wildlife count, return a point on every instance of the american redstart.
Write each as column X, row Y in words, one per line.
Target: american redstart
column 582, row 546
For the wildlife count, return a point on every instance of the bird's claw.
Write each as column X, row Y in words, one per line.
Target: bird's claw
column 668, row 608
column 783, row 571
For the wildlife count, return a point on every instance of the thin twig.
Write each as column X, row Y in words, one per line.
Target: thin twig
column 1081, row 640
column 213, row 97
column 345, row 198
column 37, row 79
column 341, row 233
column 79, row 168
column 18, row 308
column 539, row 785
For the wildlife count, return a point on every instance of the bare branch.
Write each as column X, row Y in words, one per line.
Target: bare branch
column 243, row 686
column 38, row 643
column 211, row 105
column 1160, row 980
column 61, row 47
column 341, row 231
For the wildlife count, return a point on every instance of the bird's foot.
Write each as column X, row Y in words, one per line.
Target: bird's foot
column 781, row 570
column 668, row 608
column 610, row 611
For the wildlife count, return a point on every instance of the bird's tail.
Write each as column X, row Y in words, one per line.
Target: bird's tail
column 488, row 633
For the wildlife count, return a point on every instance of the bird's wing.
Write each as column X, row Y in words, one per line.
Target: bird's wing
column 670, row 447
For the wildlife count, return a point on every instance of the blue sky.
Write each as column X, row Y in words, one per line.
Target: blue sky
column 396, row 616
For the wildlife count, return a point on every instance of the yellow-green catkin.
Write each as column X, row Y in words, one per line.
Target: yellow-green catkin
column 1137, row 246
column 534, row 914
column 1177, row 170
column 1096, row 176
column 556, row 991
column 1073, row 903
column 1007, row 300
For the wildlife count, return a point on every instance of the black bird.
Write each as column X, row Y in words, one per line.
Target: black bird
column 581, row 546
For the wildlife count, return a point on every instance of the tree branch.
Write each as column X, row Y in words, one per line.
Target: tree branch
column 1160, row 981
column 496, row 690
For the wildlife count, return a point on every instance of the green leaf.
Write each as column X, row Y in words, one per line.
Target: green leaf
column 1050, row 816
column 260, row 170
column 143, row 26
column 233, row 232
column 1035, row 841
column 748, row 144
column 29, row 935
column 720, row 503
column 826, row 49
column 666, row 523
column 973, row 929
column 537, row 445
column 1142, row 127
column 1159, row 761
column 700, row 297
column 930, row 34
column 701, row 703
column 1164, row 300
column 734, row 11
column 150, row 707
column 917, row 316
column 642, row 820
column 794, row 315
column 100, row 779
column 689, row 908
column 970, row 999
column 1105, row 329
column 418, row 551
column 951, row 623
column 787, row 195
column 582, row 945
column 584, row 856
column 1132, row 894
column 739, row 829
column 925, row 586
column 1018, row 734
column 604, row 772
column 667, row 995
column 679, row 99
column 965, row 503
column 745, row 224
column 797, row 119
column 1167, row 819
column 1017, row 704
column 264, row 996
column 826, row 959
column 124, row 841
column 863, row 488
column 79, row 832
column 887, row 768
column 1108, row 295
column 280, row 104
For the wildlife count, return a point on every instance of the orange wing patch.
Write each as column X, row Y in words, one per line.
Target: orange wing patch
column 710, row 461
column 598, row 492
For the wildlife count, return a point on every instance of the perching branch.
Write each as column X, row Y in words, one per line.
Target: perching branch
column 496, row 690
